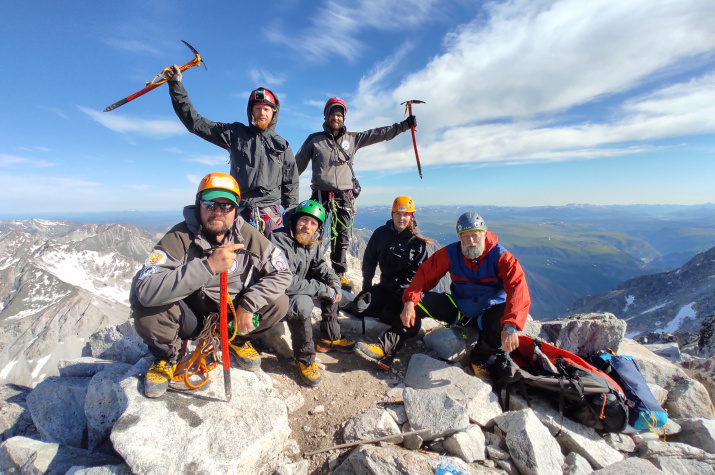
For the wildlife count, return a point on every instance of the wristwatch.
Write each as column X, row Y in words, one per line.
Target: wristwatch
column 509, row 329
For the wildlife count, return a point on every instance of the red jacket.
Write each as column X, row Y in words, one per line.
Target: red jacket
column 510, row 274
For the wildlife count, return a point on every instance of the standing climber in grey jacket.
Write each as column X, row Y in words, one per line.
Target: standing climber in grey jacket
column 334, row 185
column 262, row 161
column 178, row 287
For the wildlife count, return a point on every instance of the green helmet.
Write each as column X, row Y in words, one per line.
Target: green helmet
column 311, row 208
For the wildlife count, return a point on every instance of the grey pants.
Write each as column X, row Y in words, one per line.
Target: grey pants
column 162, row 328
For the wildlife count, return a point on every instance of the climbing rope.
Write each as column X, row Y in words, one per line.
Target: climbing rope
column 207, row 354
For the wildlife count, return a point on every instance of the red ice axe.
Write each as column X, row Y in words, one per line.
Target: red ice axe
column 408, row 108
column 159, row 79
column 223, row 329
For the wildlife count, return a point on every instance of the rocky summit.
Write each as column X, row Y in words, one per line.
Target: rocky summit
column 94, row 414
column 428, row 414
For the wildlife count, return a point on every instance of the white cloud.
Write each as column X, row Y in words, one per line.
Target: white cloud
column 9, row 161
column 335, row 27
column 136, row 125
column 530, row 64
column 210, row 159
column 261, row 76
column 132, row 45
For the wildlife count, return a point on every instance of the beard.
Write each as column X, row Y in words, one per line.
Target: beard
column 215, row 227
column 262, row 123
column 304, row 240
column 473, row 251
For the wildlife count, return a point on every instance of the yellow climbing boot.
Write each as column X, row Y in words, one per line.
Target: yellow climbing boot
column 246, row 356
column 157, row 378
column 373, row 352
column 345, row 345
column 310, row 373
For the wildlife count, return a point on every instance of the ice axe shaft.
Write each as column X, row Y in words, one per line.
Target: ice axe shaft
column 159, row 79
column 408, row 108
column 223, row 330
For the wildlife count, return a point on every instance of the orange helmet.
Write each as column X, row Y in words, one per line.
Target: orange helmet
column 221, row 183
column 403, row 203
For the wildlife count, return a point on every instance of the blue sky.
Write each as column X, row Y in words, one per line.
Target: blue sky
column 528, row 102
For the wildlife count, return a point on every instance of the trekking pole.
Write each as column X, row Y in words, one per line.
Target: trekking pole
column 408, row 107
column 223, row 329
column 159, row 79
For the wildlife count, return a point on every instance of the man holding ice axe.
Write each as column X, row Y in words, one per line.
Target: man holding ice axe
column 178, row 288
column 334, row 184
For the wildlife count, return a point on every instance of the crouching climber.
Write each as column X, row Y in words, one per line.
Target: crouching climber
column 179, row 285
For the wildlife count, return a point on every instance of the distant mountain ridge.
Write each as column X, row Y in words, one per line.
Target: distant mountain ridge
column 665, row 302
column 59, row 283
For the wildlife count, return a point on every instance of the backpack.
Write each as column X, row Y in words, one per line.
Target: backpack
column 644, row 412
column 584, row 392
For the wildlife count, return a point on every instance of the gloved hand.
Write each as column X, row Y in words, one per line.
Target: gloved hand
column 173, row 73
column 327, row 293
column 411, row 121
column 338, row 293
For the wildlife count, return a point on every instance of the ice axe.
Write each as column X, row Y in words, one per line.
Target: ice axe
column 408, row 108
column 159, row 79
column 223, row 330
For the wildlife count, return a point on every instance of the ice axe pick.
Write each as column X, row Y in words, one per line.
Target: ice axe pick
column 408, row 108
column 159, row 79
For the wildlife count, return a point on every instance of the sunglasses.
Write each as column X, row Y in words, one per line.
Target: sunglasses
column 212, row 205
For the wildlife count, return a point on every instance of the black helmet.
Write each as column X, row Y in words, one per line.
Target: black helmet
column 470, row 221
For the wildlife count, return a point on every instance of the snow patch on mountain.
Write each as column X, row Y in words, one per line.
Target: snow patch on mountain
column 89, row 270
column 653, row 309
column 685, row 312
column 629, row 301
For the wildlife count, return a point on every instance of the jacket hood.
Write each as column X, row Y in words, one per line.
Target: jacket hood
column 274, row 120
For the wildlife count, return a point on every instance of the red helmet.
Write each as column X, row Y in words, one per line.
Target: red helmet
column 262, row 96
column 334, row 101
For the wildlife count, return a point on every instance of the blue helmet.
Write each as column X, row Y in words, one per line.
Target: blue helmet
column 470, row 221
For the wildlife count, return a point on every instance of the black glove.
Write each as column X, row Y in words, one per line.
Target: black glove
column 411, row 121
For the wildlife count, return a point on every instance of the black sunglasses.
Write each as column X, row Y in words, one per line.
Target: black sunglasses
column 212, row 205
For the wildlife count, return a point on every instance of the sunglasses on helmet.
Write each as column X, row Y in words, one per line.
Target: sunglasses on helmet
column 212, row 205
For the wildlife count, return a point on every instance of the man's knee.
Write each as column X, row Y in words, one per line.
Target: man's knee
column 300, row 307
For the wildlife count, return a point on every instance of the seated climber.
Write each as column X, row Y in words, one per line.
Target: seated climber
column 398, row 250
column 299, row 238
column 179, row 284
column 488, row 291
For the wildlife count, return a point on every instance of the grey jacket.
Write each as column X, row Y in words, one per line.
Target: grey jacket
column 331, row 170
column 311, row 274
column 178, row 266
column 262, row 162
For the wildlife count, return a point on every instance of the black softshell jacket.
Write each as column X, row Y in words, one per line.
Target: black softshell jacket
column 262, row 161
column 398, row 255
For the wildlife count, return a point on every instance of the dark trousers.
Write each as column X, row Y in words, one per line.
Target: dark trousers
column 162, row 328
column 440, row 307
column 301, row 325
column 341, row 220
